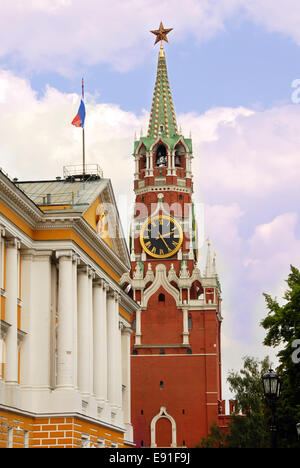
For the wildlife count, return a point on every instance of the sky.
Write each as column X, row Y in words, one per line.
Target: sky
column 233, row 68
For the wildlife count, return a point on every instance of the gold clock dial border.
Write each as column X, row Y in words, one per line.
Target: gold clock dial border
column 150, row 220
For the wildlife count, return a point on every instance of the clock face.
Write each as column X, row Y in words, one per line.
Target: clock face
column 161, row 236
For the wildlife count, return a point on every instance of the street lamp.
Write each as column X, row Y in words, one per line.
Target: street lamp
column 272, row 386
column 298, row 430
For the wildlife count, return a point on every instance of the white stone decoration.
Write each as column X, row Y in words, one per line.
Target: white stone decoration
column 163, row 414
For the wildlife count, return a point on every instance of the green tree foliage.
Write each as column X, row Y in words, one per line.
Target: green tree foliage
column 215, row 439
column 249, row 430
column 249, row 427
column 283, row 329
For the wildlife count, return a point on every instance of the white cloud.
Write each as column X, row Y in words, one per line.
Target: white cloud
column 62, row 34
column 281, row 16
column 246, row 153
column 40, row 32
column 34, row 130
column 272, row 248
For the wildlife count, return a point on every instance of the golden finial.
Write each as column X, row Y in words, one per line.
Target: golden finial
column 161, row 34
column 208, row 242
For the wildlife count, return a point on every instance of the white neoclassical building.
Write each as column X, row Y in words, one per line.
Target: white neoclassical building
column 65, row 321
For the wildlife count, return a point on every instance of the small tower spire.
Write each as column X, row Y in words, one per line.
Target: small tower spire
column 162, row 116
column 214, row 267
column 209, row 265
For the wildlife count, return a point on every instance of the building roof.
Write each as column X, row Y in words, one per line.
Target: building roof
column 76, row 195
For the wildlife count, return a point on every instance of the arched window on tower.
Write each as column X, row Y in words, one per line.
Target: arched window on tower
column 143, row 158
column 179, row 155
column 161, row 156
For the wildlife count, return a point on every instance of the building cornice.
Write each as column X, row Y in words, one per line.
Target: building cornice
column 163, row 188
column 18, row 202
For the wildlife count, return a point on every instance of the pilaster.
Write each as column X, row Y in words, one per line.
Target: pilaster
column 114, row 383
column 126, row 382
column 100, row 288
column 11, row 366
column 83, row 329
column 65, row 324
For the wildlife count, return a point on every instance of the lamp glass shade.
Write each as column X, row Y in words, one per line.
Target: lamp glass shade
column 272, row 384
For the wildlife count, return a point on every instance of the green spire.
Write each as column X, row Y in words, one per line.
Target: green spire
column 162, row 117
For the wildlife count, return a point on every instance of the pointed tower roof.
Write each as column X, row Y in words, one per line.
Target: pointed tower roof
column 162, row 122
column 162, row 114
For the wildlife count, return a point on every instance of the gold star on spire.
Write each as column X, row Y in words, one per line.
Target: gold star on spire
column 161, row 33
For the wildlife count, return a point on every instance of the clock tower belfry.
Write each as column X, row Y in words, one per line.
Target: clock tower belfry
column 175, row 349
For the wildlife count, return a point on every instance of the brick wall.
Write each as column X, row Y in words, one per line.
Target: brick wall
column 17, row 430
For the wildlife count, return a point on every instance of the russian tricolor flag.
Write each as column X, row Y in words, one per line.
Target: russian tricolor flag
column 78, row 121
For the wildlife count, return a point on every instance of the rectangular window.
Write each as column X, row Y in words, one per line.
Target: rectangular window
column 85, row 441
column 101, row 443
column 26, row 439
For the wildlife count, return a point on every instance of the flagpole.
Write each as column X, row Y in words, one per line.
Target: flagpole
column 83, row 136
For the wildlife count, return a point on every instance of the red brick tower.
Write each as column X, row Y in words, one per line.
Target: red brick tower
column 176, row 356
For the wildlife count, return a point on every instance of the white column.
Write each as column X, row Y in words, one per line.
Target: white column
column 185, row 334
column 114, row 380
column 36, row 311
column 91, row 276
column 138, row 327
column 170, row 162
column 27, row 291
column 100, row 340
column 54, row 297
column 41, row 318
column 65, row 325
column 2, row 234
column 136, row 174
column 151, row 163
column 11, row 311
column 75, row 263
column 83, row 329
column 147, row 164
column 126, row 403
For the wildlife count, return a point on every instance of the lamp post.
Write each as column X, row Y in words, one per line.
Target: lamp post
column 298, row 430
column 272, row 385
